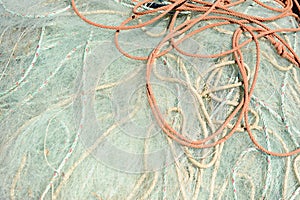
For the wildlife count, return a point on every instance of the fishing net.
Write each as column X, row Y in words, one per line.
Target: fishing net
column 147, row 112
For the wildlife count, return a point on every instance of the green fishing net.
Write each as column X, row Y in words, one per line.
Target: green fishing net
column 75, row 122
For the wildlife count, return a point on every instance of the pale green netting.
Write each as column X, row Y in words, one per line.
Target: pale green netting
column 75, row 122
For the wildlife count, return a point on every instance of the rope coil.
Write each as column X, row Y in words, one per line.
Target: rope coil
column 221, row 11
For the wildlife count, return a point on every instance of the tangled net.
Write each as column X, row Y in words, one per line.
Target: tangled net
column 220, row 13
column 75, row 120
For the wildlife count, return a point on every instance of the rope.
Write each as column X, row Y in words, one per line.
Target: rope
column 220, row 11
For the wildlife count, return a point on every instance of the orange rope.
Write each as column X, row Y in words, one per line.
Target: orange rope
column 219, row 11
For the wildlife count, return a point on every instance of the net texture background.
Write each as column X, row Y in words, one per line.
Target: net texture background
column 75, row 122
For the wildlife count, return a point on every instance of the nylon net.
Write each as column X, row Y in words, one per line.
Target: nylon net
column 149, row 99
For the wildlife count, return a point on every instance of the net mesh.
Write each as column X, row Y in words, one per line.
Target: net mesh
column 75, row 122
